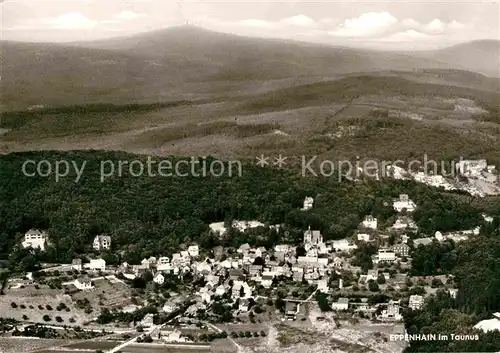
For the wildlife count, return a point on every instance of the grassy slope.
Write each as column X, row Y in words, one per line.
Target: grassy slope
column 348, row 89
column 246, row 127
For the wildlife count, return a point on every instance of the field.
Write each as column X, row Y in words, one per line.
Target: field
column 32, row 298
column 23, row 344
column 107, row 293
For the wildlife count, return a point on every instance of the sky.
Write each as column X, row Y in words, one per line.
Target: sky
column 398, row 24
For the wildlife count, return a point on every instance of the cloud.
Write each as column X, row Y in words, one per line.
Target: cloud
column 368, row 24
column 72, row 20
column 435, row 26
column 386, row 27
column 299, row 20
column 128, row 15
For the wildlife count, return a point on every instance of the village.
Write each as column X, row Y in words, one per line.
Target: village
column 226, row 294
column 476, row 177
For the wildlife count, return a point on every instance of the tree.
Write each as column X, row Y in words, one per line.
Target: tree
column 279, row 303
column 417, row 290
column 322, row 299
column 300, row 251
column 139, row 282
column 218, row 308
column 373, row 286
column 105, row 317
column 259, row 261
column 381, row 279
column 436, row 283
column 46, row 318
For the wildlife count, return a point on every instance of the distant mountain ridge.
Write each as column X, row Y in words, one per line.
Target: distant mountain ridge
column 482, row 56
column 189, row 62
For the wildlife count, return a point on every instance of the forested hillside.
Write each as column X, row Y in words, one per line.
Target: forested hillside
column 475, row 265
column 153, row 215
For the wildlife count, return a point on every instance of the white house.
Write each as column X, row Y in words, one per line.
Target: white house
column 129, row 275
column 169, row 308
column 220, row 290
column 403, row 222
column 76, row 264
column 244, row 225
column 213, row 280
column 102, row 242
column 308, row 204
column 218, row 228
column 370, row 222
column 372, row 275
column 341, row 304
column 97, row 264
column 147, row 321
column 392, row 312
column 401, row 249
column 164, row 264
column 35, row 239
column 194, row 251
column 386, row 255
column 83, row 283
column 237, row 286
column 416, row 302
column 159, row 279
column 343, row 245
column 338, row 262
column 487, row 218
column 404, row 202
column 364, row 237
column 207, row 296
column 489, row 325
column 243, row 305
column 323, row 284
column 282, row 248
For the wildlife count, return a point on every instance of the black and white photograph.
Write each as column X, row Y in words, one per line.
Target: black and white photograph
column 265, row 176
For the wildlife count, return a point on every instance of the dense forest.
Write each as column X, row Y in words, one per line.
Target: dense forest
column 475, row 266
column 16, row 119
column 150, row 216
